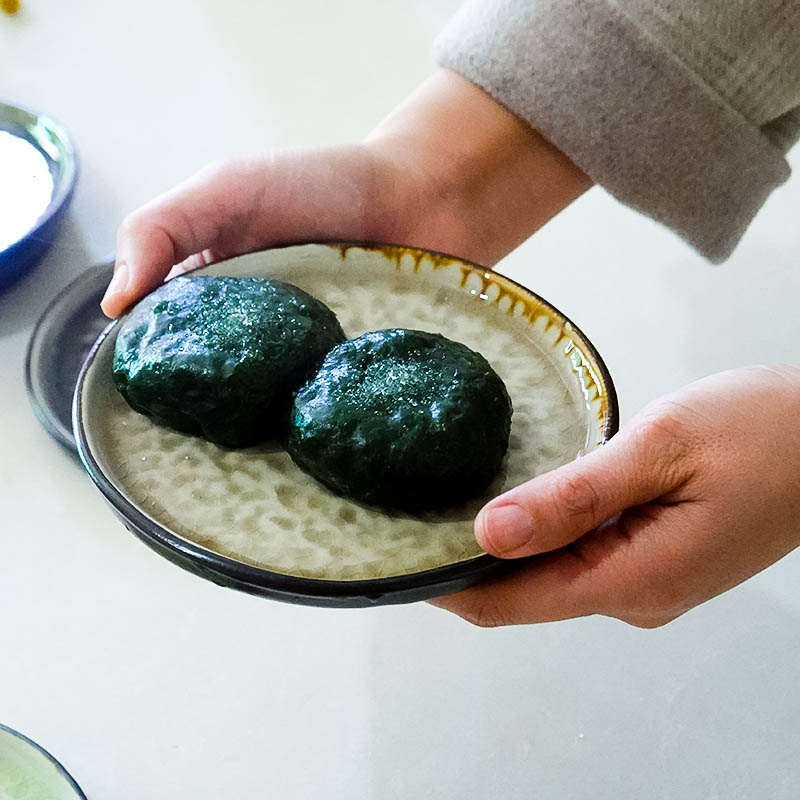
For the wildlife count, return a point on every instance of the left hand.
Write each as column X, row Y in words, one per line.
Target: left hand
column 449, row 170
column 700, row 491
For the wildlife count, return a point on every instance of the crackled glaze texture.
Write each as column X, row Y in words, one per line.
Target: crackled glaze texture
column 258, row 507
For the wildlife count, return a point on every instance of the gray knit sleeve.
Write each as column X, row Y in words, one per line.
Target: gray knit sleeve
column 682, row 110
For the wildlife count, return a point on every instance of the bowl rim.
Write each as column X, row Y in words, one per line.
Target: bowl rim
column 51, row 758
column 252, row 579
column 65, row 186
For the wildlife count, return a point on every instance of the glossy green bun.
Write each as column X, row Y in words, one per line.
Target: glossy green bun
column 222, row 357
column 403, row 419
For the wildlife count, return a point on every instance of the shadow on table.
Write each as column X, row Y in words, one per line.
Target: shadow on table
column 588, row 709
column 22, row 304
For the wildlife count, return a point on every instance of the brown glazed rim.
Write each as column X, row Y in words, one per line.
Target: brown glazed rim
column 533, row 306
column 229, row 572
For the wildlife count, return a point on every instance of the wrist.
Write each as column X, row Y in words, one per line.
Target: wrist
column 483, row 178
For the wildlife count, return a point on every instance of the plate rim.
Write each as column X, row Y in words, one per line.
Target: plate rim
column 230, row 572
column 62, row 771
column 65, row 437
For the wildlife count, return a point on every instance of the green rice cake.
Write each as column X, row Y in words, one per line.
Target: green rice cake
column 222, row 357
column 402, row 419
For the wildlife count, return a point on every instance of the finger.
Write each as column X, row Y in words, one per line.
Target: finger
column 608, row 571
column 196, row 261
column 245, row 205
column 640, row 464
column 191, row 218
column 545, row 590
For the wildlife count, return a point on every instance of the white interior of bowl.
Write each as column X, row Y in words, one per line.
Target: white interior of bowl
column 51, row 138
column 28, row 774
column 256, row 506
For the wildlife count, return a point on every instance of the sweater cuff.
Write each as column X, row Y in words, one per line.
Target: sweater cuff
column 624, row 108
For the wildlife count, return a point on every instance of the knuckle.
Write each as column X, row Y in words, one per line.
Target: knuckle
column 484, row 614
column 217, row 168
column 664, row 423
column 665, row 602
column 138, row 222
column 231, row 171
column 131, row 224
column 660, row 599
column 668, row 438
column 651, row 623
column 653, row 604
column 579, row 499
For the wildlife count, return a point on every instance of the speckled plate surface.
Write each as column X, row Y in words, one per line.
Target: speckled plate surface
column 27, row 772
column 251, row 519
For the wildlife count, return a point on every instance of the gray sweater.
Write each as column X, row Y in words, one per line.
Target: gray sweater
column 682, row 109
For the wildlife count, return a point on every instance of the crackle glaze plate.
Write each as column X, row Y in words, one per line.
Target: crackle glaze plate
column 252, row 520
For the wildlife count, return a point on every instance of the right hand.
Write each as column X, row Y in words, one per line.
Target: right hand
column 450, row 170
column 697, row 493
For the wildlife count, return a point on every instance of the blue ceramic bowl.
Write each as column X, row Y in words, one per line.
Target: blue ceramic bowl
column 53, row 141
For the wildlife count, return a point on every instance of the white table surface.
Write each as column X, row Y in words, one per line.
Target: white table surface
column 148, row 682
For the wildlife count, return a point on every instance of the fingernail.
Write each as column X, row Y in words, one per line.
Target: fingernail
column 503, row 529
column 119, row 283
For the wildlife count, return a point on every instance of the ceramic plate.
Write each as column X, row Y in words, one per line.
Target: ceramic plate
column 253, row 520
column 27, row 772
column 59, row 344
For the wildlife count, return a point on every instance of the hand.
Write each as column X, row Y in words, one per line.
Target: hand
column 449, row 170
column 699, row 492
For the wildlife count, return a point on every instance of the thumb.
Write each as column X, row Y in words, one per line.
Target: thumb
column 193, row 217
column 555, row 509
column 243, row 205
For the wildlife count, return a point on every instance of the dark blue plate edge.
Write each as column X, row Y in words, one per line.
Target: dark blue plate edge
column 64, row 437
column 52, row 759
